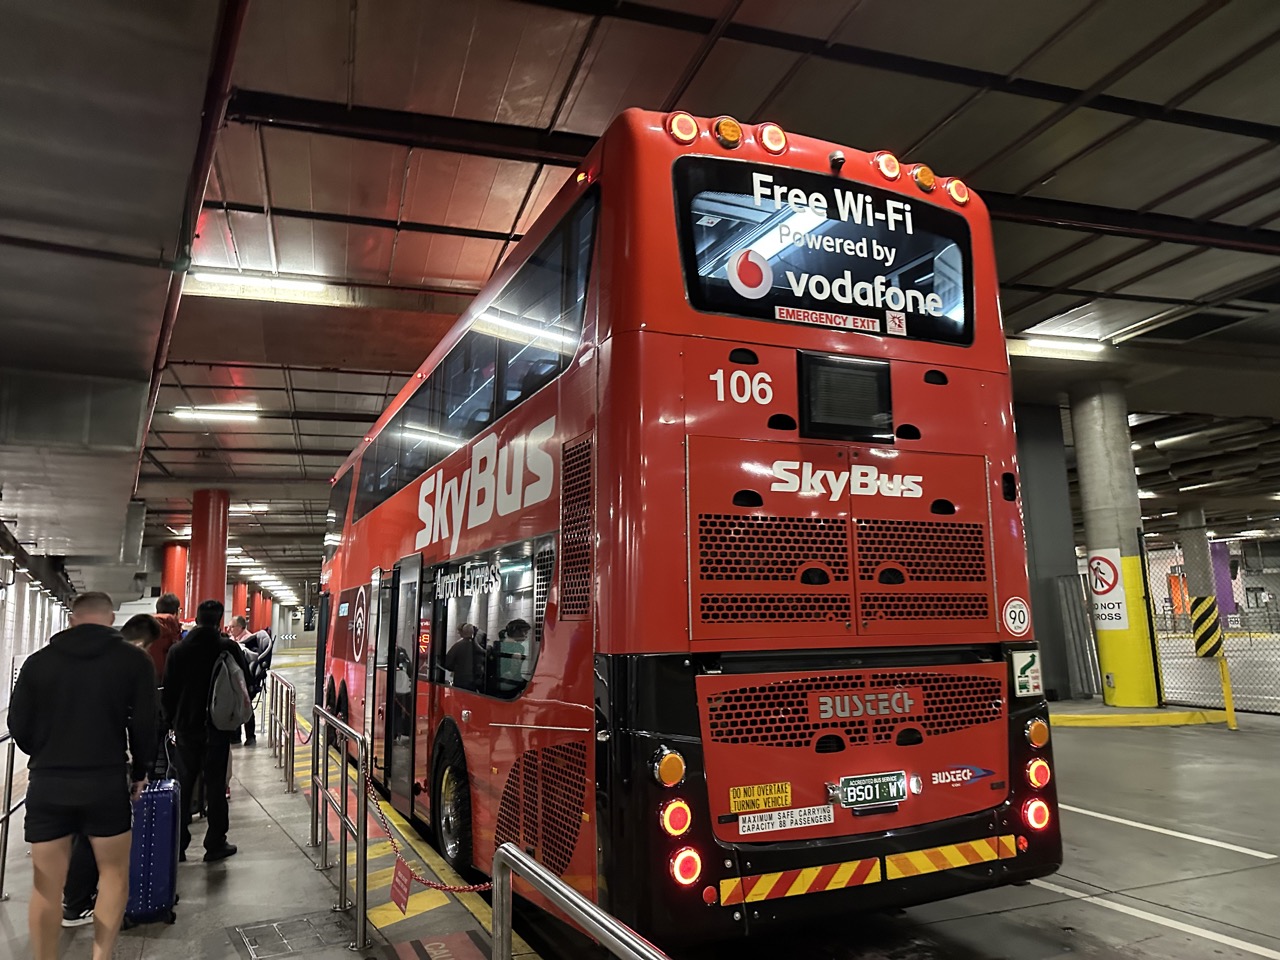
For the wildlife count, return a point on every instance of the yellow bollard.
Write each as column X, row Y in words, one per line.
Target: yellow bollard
column 1228, row 702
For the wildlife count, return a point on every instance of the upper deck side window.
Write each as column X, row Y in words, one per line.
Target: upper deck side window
column 789, row 245
column 521, row 342
column 336, row 518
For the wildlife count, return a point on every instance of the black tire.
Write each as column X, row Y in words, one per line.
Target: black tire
column 451, row 805
column 341, row 706
column 330, row 704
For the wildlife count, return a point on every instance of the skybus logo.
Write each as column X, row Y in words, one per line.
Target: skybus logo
column 796, row 476
column 502, row 478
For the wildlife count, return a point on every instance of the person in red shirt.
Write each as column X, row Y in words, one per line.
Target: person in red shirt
column 167, row 609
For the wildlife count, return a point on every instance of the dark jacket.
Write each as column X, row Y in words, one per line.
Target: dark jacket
column 188, row 675
column 84, row 700
column 170, row 634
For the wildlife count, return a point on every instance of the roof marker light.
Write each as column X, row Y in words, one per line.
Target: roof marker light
column 924, row 177
column 887, row 164
column 771, row 137
column 728, row 131
column 957, row 191
column 682, row 127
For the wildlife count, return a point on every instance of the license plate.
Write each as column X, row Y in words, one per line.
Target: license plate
column 873, row 789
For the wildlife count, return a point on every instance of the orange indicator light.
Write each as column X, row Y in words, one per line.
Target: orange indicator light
column 1037, row 733
column 924, row 177
column 729, row 132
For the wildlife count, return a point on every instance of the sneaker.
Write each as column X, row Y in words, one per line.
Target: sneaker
column 226, row 850
column 77, row 919
column 251, row 742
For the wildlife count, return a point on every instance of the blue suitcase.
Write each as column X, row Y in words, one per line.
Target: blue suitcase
column 153, row 859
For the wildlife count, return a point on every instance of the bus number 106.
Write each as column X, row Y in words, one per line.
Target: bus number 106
column 744, row 387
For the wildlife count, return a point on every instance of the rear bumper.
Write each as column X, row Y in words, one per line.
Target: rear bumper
column 783, row 884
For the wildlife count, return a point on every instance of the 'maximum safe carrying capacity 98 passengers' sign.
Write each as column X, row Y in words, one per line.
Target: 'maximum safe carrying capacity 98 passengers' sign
column 789, row 245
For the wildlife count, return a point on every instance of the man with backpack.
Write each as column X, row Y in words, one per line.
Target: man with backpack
column 205, row 701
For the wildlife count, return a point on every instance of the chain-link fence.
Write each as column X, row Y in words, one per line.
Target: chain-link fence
column 1180, row 583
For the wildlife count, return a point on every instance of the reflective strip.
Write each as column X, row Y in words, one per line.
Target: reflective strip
column 899, row 866
column 795, row 883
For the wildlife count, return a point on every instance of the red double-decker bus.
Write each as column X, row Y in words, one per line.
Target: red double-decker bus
column 691, row 560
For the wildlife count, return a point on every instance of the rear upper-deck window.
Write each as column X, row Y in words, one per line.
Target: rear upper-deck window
column 794, row 246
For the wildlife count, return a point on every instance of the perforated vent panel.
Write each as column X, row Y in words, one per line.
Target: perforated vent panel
column 542, row 802
column 575, row 531
column 738, row 547
column 543, row 565
column 923, row 606
column 774, row 607
column 777, row 714
column 923, row 550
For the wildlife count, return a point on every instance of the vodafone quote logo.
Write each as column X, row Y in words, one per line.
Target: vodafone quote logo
column 750, row 274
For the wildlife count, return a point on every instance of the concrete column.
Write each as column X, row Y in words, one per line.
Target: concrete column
column 1197, row 565
column 239, row 601
column 208, row 557
column 173, row 574
column 1113, row 535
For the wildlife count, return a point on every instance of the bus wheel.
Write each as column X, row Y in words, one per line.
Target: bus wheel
column 330, row 704
column 453, row 806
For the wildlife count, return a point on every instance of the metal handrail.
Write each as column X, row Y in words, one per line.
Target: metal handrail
column 614, row 935
column 359, row 828
column 282, row 725
column 9, row 808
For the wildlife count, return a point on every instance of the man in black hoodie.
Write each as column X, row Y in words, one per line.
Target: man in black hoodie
column 202, row 747
column 84, row 710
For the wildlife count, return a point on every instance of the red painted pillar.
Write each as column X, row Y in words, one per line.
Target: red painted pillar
column 255, row 609
column 173, row 575
column 239, row 601
column 208, row 557
column 266, row 613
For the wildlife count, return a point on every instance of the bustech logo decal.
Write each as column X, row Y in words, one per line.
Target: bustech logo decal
column 502, row 478
column 899, row 701
column 750, row 274
column 796, row 476
column 959, row 776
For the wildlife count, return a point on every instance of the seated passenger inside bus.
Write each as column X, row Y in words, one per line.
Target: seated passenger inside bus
column 508, row 659
column 466, row 658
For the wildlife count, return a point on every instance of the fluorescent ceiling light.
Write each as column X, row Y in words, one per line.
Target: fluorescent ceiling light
column 234, row 551
column 6, row 556
column 1147, row 495
column 216, row 413
column 252, row 280
column 248, row 510
column 1058, row 343
column 1135, row 446
column 1206, row 485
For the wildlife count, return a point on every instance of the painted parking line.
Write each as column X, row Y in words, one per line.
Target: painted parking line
column 373, row 851
column 1242, row 945
column 1207, row 841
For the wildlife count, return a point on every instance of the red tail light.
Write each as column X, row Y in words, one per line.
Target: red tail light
column 1038, row 773
column 676, row 818
column 1036, row 814
column 682, row 127
column 686, row 866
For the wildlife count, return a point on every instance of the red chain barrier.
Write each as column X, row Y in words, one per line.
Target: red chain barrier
column 395, row 847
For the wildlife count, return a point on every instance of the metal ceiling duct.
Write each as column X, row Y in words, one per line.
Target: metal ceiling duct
column 1204, row 435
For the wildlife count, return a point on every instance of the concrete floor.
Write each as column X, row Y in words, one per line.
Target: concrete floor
column 1127, row 891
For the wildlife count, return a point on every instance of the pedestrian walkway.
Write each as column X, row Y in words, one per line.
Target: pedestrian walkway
column 269, row 900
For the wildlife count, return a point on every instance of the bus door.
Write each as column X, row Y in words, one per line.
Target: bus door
column 322, row 646
column 401, row 684
column 382, row 613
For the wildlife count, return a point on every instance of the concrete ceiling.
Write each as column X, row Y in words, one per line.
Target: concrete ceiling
column 395, row 150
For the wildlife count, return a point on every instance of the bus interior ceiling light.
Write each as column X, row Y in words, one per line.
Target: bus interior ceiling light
column 771, row 137
column 683, row 128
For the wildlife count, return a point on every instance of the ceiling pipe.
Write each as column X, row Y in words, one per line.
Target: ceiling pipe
column 217, row 92
column 1202, row 435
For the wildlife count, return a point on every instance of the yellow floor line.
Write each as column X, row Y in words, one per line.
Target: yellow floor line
column 379, row 848
column 388, row 914
column 1164, row 718
column 378, row 880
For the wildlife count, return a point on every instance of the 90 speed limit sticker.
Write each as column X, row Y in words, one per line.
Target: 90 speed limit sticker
column 1017, row 616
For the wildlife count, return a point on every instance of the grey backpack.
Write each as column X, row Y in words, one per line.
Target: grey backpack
column 229, row 705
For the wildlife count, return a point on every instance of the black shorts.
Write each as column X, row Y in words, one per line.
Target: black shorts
column 60, row 807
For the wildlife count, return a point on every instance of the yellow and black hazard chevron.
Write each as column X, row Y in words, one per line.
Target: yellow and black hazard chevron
column 1206, row 627
column 917, row 862
column 857, row 873
column 793, row 883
